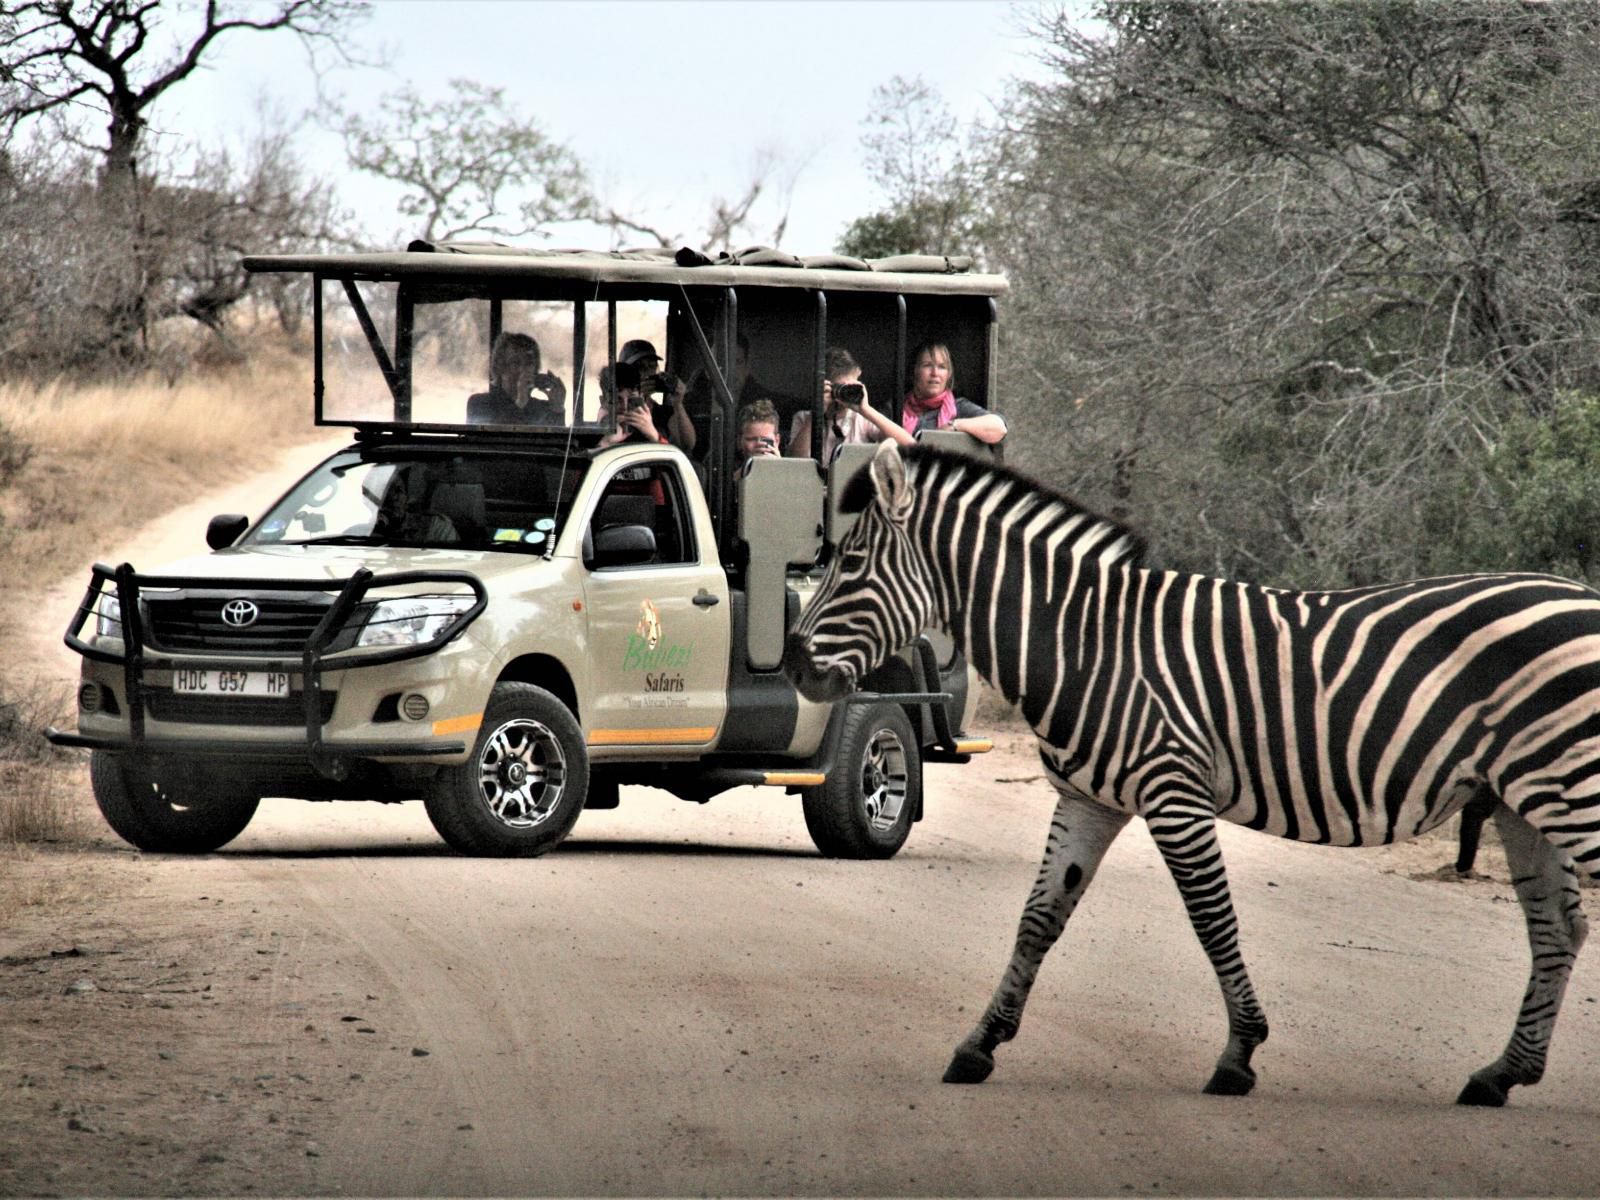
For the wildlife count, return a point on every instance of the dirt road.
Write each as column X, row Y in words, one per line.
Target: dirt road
column 688, row 1000
column 684, row 1000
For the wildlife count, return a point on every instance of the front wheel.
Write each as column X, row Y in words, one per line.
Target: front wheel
column 168, row 807
column 864, row 809
column 523, row 787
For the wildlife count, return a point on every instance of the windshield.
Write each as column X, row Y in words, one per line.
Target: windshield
column 475, row 501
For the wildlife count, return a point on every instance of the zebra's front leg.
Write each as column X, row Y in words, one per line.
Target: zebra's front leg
column 1080, row 833
column 1185, row 831
column 1547, row 886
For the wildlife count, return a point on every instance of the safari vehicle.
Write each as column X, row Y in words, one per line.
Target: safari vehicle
column 508, row 621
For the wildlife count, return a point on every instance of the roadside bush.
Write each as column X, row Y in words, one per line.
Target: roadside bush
column 14, row 454
column 1535, row 504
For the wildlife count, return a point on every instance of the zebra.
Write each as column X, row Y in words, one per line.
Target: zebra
column 1347, row 718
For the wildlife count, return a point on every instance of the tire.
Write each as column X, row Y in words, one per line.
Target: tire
column 148, row 807
column 525, row 783
column 864, row 810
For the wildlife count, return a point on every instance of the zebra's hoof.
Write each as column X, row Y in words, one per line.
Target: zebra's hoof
column 1482, row 1095
column 1231, row 1081
column 969, row 1066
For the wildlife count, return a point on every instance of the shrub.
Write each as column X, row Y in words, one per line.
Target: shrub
column 1538, row 508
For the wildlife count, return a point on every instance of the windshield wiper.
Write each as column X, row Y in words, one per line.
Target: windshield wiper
column 337, row 539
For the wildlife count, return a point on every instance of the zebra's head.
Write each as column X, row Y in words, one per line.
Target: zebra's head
column 876, row 596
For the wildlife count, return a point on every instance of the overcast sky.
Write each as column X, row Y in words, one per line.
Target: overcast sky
column 668, row 103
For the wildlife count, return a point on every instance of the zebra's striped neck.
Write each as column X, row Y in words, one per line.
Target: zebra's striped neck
column 1005, row 551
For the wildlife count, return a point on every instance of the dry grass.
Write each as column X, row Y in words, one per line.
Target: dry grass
column 107, row 457
column 88, row 465
column 38, row 803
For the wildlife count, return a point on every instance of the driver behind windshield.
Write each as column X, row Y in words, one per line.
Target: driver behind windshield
column 514, row 376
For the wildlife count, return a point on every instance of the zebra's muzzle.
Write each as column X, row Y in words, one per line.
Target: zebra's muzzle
column 820, row 686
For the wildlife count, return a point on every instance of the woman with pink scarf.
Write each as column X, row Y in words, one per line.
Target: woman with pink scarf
column 933, row 404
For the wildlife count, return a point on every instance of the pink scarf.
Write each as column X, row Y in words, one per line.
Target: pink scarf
column 911, row 412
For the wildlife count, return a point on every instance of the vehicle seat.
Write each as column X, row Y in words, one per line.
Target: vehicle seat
column 852, row 457
column 626, row 508
column 780, row 521
column 462, row 505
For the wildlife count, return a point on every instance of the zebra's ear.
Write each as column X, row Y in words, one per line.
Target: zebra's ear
column 889, row 481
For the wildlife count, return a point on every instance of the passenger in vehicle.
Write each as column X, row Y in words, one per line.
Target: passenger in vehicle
column 843, row 420
column 406, row 516
column 680, row 429
column 758, row 431
column 638, row 419
column 746, row 389
column 514, row 376
column 932, row 403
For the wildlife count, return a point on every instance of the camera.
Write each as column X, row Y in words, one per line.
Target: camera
column 849, row 393
column 663, row 382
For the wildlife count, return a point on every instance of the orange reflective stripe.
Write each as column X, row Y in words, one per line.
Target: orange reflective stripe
column 652, row 737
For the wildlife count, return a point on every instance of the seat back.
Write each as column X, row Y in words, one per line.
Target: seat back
column 852, row 457
column 462, row 503
column 780, row 521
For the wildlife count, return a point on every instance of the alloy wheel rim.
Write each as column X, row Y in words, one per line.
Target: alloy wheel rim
column 885, row 780
column 522, row 773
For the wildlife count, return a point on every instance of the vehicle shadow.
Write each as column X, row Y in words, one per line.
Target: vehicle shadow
column 572, row 848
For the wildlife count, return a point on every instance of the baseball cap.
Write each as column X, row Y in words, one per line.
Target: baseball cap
column 636, row 350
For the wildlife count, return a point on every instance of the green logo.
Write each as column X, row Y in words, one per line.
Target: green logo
column 666, row 656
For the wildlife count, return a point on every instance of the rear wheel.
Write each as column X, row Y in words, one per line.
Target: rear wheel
column 864, row 809
column 523, row 787
column 169, row 806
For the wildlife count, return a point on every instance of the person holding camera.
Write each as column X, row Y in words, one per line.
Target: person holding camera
column 670, row 413
column 514, row 376
column 637, row 418
column 844, row 407
column 758, row 431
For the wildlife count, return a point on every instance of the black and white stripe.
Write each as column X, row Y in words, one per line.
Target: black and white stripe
column 1348, row 718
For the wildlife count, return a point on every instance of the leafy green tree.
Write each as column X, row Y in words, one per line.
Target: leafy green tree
column 469, row 163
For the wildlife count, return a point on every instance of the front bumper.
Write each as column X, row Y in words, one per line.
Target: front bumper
column 136, row 660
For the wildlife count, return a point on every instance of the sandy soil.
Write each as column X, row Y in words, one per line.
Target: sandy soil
column 686, row 999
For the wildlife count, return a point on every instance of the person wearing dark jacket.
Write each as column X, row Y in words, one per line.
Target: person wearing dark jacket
column 514, row 376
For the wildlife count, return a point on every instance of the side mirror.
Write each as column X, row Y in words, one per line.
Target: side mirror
column 225, row 528
column 624, row 546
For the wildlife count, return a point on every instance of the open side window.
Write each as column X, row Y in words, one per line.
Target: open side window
column 650, row 498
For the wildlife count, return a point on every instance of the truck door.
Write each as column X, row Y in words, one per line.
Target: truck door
column 658, row 630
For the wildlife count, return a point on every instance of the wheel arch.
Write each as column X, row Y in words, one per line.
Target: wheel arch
column 546, row 671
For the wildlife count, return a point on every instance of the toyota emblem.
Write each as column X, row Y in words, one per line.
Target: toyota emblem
column 240, row 613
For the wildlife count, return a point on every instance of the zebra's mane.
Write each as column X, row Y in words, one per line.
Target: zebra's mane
column 1124, row 544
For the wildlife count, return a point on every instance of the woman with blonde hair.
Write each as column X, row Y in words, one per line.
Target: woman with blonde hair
column 932, row 403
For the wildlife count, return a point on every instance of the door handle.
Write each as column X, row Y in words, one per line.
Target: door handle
column 704, row 599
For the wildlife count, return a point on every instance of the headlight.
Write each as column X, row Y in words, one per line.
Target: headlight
column 412, row 620
column 108, row 617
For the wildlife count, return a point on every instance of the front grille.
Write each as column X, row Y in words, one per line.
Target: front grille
column 194, row 623
column 233, row 710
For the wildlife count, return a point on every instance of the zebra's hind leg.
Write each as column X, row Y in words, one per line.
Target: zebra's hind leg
column 1080, row 833
column 1547, row 886
column 1185, row 831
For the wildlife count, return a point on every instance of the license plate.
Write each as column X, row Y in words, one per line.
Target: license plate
column 231, row 683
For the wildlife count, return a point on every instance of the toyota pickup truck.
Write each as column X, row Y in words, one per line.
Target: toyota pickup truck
column 510, row 619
